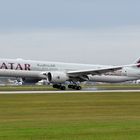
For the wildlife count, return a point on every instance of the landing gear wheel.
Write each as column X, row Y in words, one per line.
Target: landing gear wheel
column 59, row 87
column 55, row 86
column 62, row 87
column 75, row 87
column 78, row 88
column 70, row 86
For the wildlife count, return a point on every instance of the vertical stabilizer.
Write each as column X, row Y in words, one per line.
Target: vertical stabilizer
column 138, row 62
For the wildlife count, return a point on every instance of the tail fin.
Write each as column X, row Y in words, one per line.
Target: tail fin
column 138, row 62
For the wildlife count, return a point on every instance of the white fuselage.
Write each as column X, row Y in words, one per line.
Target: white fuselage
column 126, row 74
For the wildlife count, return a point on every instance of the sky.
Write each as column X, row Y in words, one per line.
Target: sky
column 78, row 31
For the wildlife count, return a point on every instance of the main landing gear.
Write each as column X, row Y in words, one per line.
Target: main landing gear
column 62, row 87
column 72, row 86
column 76, row 87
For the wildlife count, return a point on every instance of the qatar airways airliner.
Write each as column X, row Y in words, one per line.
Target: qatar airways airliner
column 59, row 73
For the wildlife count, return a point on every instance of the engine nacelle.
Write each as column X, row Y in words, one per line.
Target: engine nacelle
column 57, row 77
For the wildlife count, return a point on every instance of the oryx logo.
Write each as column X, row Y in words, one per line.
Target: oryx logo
column 138, row 64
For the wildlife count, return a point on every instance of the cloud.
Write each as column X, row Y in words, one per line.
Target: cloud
column 40, row 14
column 104, row 46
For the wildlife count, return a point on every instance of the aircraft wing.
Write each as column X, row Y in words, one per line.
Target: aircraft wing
column 93, row 71
column 99, row 71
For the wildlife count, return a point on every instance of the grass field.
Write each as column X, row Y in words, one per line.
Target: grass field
column 74, row 116
column 49, row 88
column 27, row 88
column 117, row 86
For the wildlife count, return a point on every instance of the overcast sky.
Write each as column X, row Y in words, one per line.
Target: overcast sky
column 81, row 31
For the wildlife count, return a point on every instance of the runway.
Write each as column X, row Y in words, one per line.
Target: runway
column 70, row 91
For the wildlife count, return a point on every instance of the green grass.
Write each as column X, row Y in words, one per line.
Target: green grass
column 115, row 86
column 74, row 116
column 49, row 88
column 26, row 88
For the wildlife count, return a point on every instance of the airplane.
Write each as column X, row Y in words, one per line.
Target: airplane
column 58, row 73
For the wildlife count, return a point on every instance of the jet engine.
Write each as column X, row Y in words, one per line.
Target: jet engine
column 57, row 77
